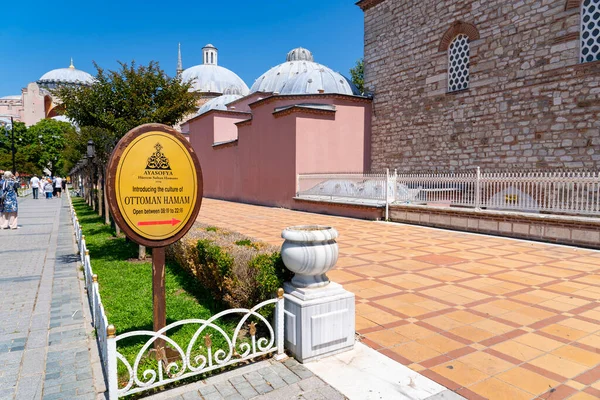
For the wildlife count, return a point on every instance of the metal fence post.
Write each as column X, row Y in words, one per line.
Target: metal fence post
column 279, row 325
column 111, row 356
column 387, row 184
column 82, row 249
column 95, row 296
column 297, row 185
column 478, row 189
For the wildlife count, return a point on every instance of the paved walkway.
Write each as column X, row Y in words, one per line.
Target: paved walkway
column 265, row 380
column 487, row 317
column 43, row 344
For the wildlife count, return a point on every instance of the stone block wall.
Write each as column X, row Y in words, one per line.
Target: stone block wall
column 530, row 104
column 569, row 230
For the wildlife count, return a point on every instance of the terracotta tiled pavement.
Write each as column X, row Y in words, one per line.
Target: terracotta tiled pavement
column 485, row 316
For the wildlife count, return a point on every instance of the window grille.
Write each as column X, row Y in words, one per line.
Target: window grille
column 458, row 63
column 590, row 31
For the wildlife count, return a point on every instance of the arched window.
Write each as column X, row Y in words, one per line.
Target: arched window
column 590, row 30
column 458, row 63
column 212, row 60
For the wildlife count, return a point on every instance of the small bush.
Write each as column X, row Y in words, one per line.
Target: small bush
column 238, row 271
column 216, row 264
column 247, row 243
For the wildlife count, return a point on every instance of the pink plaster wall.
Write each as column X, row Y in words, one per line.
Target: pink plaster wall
column 225, row 128
column 261, row 167
column 335, row 143
column 219, row 164
column 33, row 104
column 11, row 107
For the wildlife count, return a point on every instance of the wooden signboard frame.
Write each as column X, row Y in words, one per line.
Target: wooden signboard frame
column 158, row 246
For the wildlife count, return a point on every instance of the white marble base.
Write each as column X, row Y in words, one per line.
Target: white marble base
column 318, row 322
column 366, row 374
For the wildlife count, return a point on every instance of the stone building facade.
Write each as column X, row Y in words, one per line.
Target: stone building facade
column 531, row 103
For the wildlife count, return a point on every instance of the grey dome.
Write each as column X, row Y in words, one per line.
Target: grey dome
column 300, row 54
column 12, row 97
column 63, row 118
column 213, row 79
column 319, row 81
column 218, row 103
column 69, row 75
column 291, row 77
column 209, row 77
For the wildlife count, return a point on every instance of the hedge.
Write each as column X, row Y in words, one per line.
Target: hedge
column 238, row 270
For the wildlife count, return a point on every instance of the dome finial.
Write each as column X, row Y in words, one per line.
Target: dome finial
column 72, row 66
column 209, row 55
column 300, row 54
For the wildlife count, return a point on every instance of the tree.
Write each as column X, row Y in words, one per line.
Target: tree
column 48, row 138
column 358, row 75
column 118, row 101
column 30, row 156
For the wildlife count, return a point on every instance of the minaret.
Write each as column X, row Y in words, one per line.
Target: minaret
column 179, row 63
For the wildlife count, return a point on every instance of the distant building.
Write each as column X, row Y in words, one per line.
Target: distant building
column 299, row 117
column 497, row 84
column 35, row 101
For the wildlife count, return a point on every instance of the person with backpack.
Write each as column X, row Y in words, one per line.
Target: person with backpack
column 48, row 188
column 8, row 192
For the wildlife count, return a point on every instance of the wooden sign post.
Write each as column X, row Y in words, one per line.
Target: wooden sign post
column 154, row 193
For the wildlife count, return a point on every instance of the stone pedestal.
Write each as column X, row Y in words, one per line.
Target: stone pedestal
column 318, row 322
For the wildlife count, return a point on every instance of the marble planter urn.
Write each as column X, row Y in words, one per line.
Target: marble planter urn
column 309, row 251
column 318, row 314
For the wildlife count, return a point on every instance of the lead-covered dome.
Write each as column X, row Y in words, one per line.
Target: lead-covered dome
column 70, row 76
column 209, row 77
column 218, row 103
column 319, row 81
column 293, row 76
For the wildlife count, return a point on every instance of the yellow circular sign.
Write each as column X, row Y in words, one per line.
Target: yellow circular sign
column 156, row 185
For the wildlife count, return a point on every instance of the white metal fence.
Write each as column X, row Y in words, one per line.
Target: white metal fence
column 575, row 193
column 99, row 319
column 253, row 336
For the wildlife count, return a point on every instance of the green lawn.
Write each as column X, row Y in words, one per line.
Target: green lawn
column 126, row 291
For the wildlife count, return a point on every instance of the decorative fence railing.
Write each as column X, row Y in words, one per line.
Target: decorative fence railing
column 575, row 193
column 253, row 336
column 199, row 355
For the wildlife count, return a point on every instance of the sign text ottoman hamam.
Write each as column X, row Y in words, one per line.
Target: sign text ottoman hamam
column 154, row 192
column 157, row 185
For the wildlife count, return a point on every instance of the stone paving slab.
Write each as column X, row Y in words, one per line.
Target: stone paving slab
column 43, row 353
column 265, row 380
column 484, row 316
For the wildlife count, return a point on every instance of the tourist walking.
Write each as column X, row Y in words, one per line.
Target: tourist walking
column 48, row 186
column 41, row 185
column 58, row 186
column 10, row 204
column 34, row 183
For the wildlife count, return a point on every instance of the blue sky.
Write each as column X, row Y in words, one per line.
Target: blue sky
column 252, row 35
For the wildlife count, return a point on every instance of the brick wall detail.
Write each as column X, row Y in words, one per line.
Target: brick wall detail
column 530, row 103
